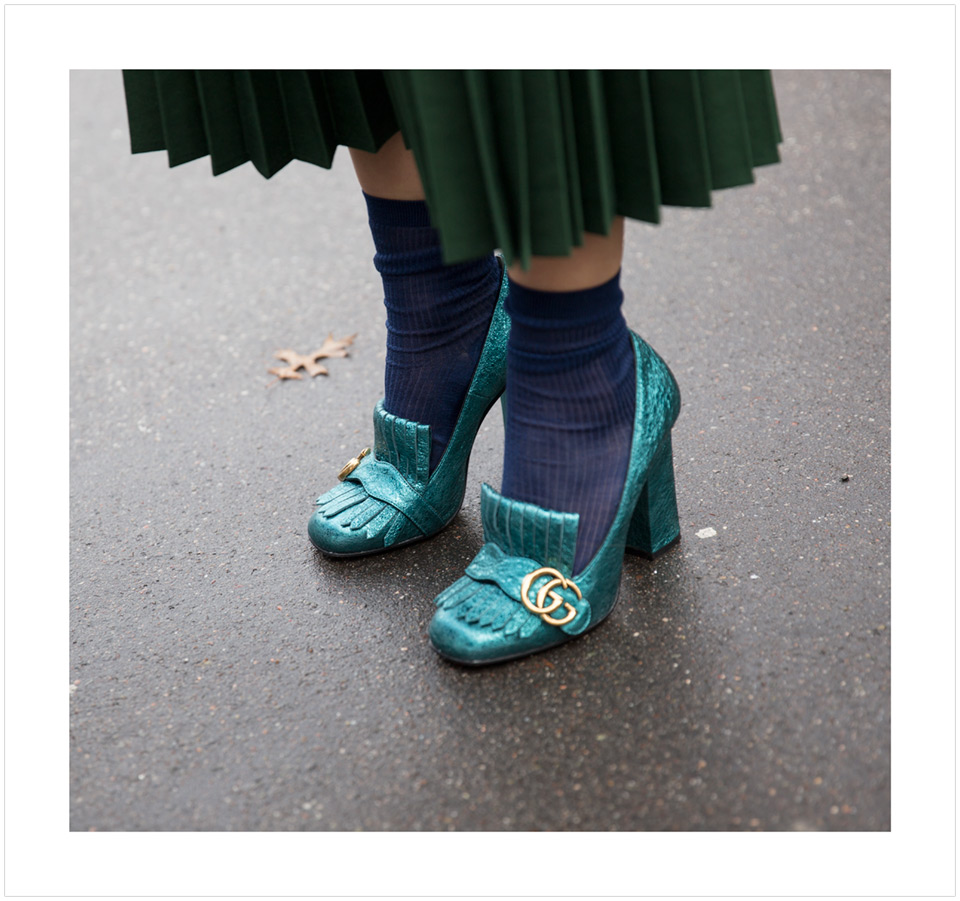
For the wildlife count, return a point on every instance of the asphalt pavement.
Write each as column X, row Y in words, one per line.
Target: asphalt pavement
column 225, row 676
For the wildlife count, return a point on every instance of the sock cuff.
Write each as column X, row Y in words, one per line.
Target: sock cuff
column 397, row 213
column 564, row 309
column 552, row 330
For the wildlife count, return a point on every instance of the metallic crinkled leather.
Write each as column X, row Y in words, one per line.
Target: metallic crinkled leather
column 384, row 482
column 391, row 498
column 519, row 536
column 526, row 530
column 655, row 523
column 480, row 617
column 403, row 444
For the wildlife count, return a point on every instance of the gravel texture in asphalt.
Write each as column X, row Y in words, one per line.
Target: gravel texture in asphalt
column 225, row 676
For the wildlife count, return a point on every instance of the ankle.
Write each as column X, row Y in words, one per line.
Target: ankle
column 562, row 326
column 437, row 317
column 570, row 405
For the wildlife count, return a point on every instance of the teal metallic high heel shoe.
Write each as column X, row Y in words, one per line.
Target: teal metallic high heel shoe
column 520, row 595
column 390, row 499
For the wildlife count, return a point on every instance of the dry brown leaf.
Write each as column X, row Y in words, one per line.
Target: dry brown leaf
column 285, row 372
column 300, row 361
column 332, row 347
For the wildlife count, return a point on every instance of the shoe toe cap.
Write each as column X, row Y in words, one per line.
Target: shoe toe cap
column 338, row 541
column 475, row 645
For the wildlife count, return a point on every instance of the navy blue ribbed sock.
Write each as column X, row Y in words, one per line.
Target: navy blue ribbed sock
column 437, row 317
column 571, row 394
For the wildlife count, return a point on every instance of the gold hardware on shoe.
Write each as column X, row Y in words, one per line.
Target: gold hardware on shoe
column 353, row 464
column 540, row 607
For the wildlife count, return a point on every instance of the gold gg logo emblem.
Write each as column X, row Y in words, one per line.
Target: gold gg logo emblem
column 352, row 464
column 540, row 606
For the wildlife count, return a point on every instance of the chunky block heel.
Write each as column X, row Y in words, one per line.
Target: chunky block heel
column 656, row 525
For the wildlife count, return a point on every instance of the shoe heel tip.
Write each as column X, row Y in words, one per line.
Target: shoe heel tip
column 652, row 554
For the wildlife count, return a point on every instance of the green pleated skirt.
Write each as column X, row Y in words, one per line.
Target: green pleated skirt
column 523, row 161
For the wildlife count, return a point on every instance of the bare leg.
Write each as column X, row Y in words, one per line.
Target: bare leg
column 597, row 261
column 391, row 172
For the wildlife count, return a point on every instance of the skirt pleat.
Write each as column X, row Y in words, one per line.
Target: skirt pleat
column 522, row 160
column 267, row 117
column 308, row 123
column 553, row 184
column 222, row 122
column 626, row 158
column 528, row 161
column 265, row 133
column 679, row 131
column 599, row 180
column 181, row 117
column 361, row 107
